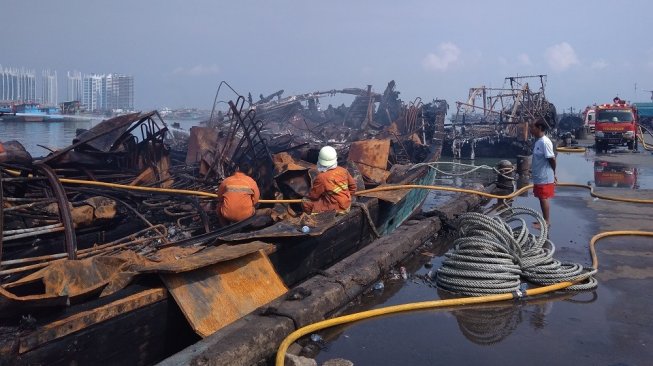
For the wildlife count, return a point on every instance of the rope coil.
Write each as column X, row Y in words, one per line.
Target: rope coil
column 492, row 256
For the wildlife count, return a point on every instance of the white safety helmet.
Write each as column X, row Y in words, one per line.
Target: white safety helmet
column 328, row 156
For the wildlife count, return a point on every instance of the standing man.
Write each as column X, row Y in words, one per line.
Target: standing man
column 333, row 187
column 544, row 167
column 238, row 196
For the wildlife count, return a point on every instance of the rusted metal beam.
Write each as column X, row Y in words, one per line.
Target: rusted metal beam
column 70, row 239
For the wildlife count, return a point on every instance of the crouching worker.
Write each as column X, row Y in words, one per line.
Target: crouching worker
column 333, row 187
column 238, row 195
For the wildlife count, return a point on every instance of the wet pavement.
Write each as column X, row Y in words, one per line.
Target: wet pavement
column 612, row 325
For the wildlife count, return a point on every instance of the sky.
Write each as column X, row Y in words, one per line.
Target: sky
column 179, row 51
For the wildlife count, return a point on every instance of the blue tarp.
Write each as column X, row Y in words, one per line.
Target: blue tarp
column 644, row 109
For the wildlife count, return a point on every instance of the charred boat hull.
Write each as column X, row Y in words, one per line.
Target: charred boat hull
column 146, row 318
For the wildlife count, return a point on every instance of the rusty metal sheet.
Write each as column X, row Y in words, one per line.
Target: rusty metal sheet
column 202, row 140
column 283, row 162
column 80, row 278
column 105, row 134
column 222, row 293
column 293, row 177
column 11, row 304
column 204, row 258
column 105, row 275
column 371, row 156
column 85, row 319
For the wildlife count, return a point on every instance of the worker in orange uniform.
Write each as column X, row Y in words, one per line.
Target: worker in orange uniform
column 333, row 187
column 238, row 195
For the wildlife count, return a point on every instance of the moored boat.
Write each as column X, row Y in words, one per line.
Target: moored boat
column 159, row 296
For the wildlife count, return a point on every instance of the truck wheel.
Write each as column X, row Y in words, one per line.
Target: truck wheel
column 598, row 146
column 630, row 144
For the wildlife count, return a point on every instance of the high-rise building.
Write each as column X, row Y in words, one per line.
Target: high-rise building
column 93, row 95
column 74, row 86
column 108, row 92
column 50, row 90
column 120, row 92
column 17, row 85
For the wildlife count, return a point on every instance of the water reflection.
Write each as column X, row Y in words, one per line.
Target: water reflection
column 610, row 174
column 488, row 324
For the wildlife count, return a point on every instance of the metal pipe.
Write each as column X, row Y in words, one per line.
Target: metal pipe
column 83, row 253
column 28, row 205
column 33, row 233
column 24, row 199
column 22, row 231
column 22, row 179
column 64, row 210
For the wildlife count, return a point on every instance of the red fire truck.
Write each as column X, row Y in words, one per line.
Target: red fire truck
column 588, row 117
column 616, row 125
column 608, row 174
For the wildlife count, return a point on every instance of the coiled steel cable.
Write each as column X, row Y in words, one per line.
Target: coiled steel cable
column 493, row 254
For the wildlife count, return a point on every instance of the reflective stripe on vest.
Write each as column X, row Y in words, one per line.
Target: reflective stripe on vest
column 241, row 189
column 339, row 188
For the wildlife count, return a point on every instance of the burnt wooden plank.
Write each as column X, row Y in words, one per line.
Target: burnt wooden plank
column 89, row 318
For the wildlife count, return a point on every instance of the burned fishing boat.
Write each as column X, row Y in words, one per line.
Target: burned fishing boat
column 108, row 257
column 493, row 122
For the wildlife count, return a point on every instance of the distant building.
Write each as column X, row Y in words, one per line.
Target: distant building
column 120, row 92
column 74, row 86
column 50, row 89
column 110, row 92
column 17, row 85
column 93, row 92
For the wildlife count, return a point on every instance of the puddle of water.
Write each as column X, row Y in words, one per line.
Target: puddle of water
column 612, row 325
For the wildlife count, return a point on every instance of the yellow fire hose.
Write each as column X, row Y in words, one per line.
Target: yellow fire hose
column 363, row 192
column 281, row 353
column 575, row 149
column 405, row 307
column 646, row 146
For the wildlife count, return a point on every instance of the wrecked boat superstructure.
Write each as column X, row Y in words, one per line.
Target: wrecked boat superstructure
column 289, row 123
column 494, row 121
column 121, row 224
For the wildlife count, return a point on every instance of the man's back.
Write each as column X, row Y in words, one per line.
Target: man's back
column 541, row 168
column 239, row 194
column 333, row 190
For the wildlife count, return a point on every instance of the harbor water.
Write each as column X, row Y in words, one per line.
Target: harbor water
column 40, row 137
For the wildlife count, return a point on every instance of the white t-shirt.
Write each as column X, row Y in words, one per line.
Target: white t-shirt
column 542, row 171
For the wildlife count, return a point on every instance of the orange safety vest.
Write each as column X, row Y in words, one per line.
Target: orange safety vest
column 332, row 190
column 239, row 194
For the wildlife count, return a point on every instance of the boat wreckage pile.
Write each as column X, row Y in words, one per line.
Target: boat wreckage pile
column 111, row 235
column 493, row 122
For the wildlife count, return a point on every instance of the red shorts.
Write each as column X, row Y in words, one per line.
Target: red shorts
column 544, row 191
